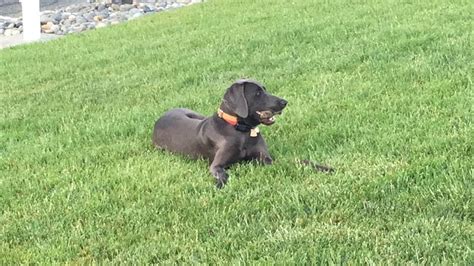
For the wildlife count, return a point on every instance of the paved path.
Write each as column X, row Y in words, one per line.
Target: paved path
column 8, row 41
column 14, row 10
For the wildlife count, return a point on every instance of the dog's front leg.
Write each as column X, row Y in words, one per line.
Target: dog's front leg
column 222, row 159
column 264, row 158
column 260, row 153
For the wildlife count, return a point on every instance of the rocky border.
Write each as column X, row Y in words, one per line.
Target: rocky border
column 78, row 18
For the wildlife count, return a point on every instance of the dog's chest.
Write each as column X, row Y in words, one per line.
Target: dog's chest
column 249, row 145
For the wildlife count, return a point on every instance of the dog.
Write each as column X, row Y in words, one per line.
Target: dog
column 229, row 136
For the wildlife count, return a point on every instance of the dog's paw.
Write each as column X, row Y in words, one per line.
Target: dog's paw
column 268, row 161
column 220, row 183
column 264, row 158
column 221, row 180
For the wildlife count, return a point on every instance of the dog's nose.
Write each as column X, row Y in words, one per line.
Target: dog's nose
column 282, row 103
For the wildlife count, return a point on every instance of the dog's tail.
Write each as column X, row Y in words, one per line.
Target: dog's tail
column 316, row 166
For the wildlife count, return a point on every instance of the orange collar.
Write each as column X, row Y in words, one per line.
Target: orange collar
column 233, row 121
column 230, row 119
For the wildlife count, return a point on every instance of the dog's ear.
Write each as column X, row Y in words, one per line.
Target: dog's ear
column 235, row 99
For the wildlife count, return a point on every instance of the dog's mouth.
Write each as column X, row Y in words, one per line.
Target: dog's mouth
column 268, row 117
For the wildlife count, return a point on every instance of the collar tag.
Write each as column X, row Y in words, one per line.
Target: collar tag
column 254, row 132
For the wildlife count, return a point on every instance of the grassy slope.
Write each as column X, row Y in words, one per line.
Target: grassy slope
column 381, row 91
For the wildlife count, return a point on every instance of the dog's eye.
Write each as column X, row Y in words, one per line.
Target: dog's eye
column 258, row 93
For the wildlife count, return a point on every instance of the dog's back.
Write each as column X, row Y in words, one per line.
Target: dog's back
column 176, row 131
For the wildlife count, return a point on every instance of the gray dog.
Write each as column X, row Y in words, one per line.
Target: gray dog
column 229, row 136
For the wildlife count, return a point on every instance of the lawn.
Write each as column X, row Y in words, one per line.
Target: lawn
column 380, row 90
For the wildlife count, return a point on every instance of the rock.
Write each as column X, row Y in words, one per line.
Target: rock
column 57, row 17
column 11, row 20
column 47, row 27
column 45, row 18
column 70, row 9
column 55, row 29
column 100, row 7
column 125, row 8
column 89, row 16
column 72, row 18
column 51, row 28
column 104, row 13
column 2, row 31
column 98, row 18
column 114, row 22
column 81, row 19
column 146, row 9
column 67, row 22
column 65, row 15
column 115, row 7
column 101, row 25
column 134, row 11
column 10, row 26
column 161, row 4
column 3, row 25
column 137, row 15
column 48, row 12
column 78, row 28
column 11, row 32
column 118, row 17
column 77, row 8
column 176, row 5
column 91, row 26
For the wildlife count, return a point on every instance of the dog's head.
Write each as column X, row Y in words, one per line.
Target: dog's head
column 249, row 100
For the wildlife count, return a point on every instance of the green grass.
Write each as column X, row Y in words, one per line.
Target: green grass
column 380, row 90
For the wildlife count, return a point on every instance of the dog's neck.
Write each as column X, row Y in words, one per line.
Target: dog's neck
column 238, row 123
column 248, row 121
column 229, row 118
column 224, row 108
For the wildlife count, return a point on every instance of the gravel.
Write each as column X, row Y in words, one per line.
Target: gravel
column 81, row 17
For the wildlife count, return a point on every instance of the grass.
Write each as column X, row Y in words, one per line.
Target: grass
column 380, row 90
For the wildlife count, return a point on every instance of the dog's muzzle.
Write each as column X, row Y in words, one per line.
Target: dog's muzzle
column 268, row 117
